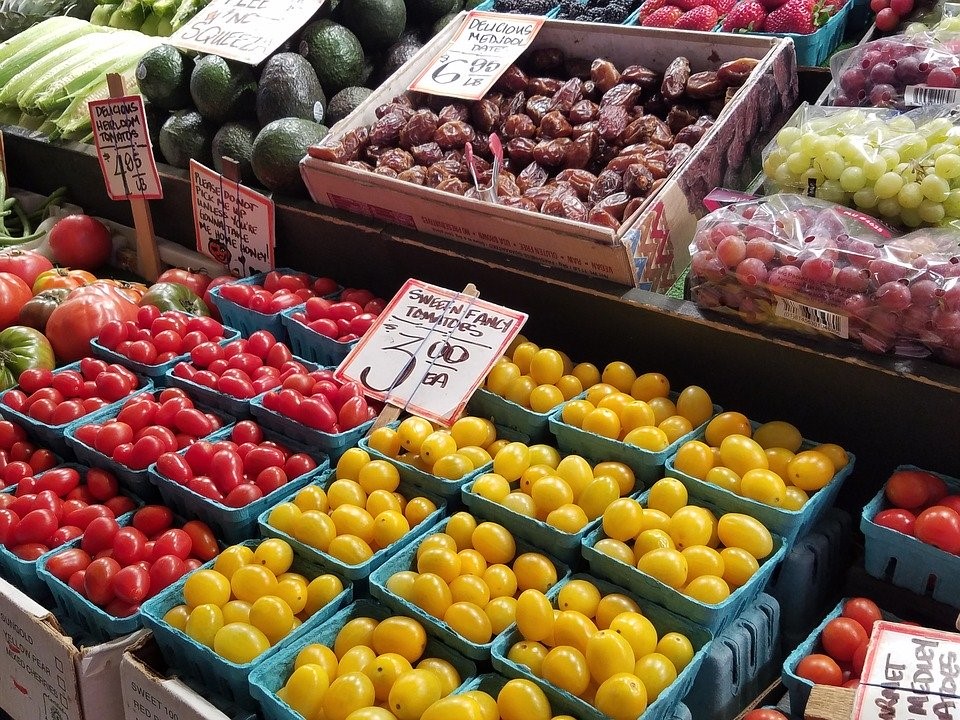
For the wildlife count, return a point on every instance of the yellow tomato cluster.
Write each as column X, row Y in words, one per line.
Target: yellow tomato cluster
column 685, row 546
column 249, row 601
column 361, row 512
column 765, row 465
column 598, row 647
column 638, row 410
column 470, row 443
column 469, row 577
column 539, row 378
column 566, row 493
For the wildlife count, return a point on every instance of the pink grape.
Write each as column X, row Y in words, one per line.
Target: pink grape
column 731, row 250
column 887, row 20
column 732, row 296
column 902, row 7
column 882, row 73
column 915, row 320
column 817, row 269
column 941, row 77
column 878, row 5
column 706, row 296
column 706, row 265
column 882, row 95
column 852, row 82
column 859, row 253
column 893, row 296
column 853, row 279
column 885, row 271
column 857, row 306
column 785, row 276
column 951, row 297
column 752, row 271
column 760, row 249
column 924, row 292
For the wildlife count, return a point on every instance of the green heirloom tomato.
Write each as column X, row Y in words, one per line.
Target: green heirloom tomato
column 22, row 348
column 174, row 296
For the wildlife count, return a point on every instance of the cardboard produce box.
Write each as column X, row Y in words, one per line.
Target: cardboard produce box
column 650, row 248
column 45, row 676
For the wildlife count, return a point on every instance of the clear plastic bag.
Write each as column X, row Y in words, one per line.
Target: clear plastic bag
column 796, row 262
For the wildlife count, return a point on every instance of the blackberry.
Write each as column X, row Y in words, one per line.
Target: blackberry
column 523, row 7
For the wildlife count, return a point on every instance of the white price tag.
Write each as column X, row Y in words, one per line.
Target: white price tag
column 234, row 224
column 430, row 349
column 124, row 149
column 481, row 51
column 909, row 672
column 244, row 30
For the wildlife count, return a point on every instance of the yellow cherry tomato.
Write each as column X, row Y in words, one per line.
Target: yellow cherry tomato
column 470, row 588
column 436, row 445
column 470, row 621
column 383, row 671
column 251, row 582
column 569, row 386
column 609, row 653
column 675, row 427
column 349, row 692
column 500, row 377
column 271, row 616
column 321, row 591
column 502, row 612
column 501, row 580
column 677, row 648
column 534, row 615
column 541, row 454
column 602, row 421
column 412, row 693
column 494, row 542
column 612, row 605
column 546, row 366
column 838, row 456
column 568, row 518
column 442, row 562
column 623, row 519
column 511, row 461
column 725, row 424
column 520, row 503
column 587, row 373
column 725, row 478
column 304, row 689
column 523, row 700
column 649, row 540
column 648, row 438
column 621, row 697
column 284, row 517
column 431, row 594
column 656, row 671
column 566, row 667
column 454, row 706
column 177, row 617
column 764, row 486
column 692, row 525
column 795, row 499
column 401, row 635
column 401, row 583
column 385, row 440
column 778, row 459
column 312, row 497
column 473, row 431
column 694, row 458
column 315, row 529
column 810, row 470
column 275, row 554
column 477, row 456
column 695, row 405
column 663, row 408
column 703, row 560
column 379, row 475
column 446, row 673
column 743, row 531
column 637, row 630
column 472, row 562
column 519, row 390
column 580, row 595
column 666, row 565
column 357, row 632
column 347, row 492
column 598, row 495
column 491, row 486
column 349, row 464
column 355, row 660
column 388, row 527
column 576, row 472
column 575, row 411
column 204, row 622
column 650, row 385
column 741, row 454
column 523, row 354
column 418, row 510
column 655, row 520
column 207, row 587
column 667, row 495
column 620, row 375
column 573, row 628
column 412, row 431
column 738, row 566
column 535, row 571
column 240, row 643
column 778, row 434
column 708, row 589
column 529, row 654
column 318, row 654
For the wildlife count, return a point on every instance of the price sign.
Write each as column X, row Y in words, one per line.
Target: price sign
column 430, row 349
column 124, row 150
column 244, row 30
column 909, row 672
column 480, row 52
column 234, row 224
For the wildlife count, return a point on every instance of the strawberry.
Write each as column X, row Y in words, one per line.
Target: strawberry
column 797, row 16
column 723, row 6
column 687, row 5
column 701, row 18
column 665, row 17
column 648, row 8
column 772, row 4
column 748, row 16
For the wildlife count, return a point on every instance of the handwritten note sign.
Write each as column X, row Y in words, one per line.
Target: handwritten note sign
column 909, row 672
column 480, row 52
column 234, row 224
column 430, row 349
column 124, row 150
column 244, row 30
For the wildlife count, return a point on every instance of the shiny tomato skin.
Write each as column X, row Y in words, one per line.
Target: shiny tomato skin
column 98, row 580
column 203, row 541
column 820, row 670
column 165, row 571
column 151, row 520
column 908, row 489
column 242, row 495
column 939, row 526
column 172, row 542
column 205, row 487
column 864, row 611
column 120, row 505
column 129, row 546
column 66, row 563
column 29, row 551
column 64, row 534
column 841, row 637
column 131, row 584
column 14, row 294
column 902, row 521
column 8, row 525
column 298, row 464
column 98, row 534
column 37, row 526
column 765, row 714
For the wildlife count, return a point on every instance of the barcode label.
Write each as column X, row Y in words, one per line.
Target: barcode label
column 822, row 320
column 923, row 95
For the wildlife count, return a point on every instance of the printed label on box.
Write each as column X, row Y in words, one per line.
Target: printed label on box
column 814, row 317
column 244, row 30
column 481, row 51
column 234, row 224
column 430, row 349
column 124, row 149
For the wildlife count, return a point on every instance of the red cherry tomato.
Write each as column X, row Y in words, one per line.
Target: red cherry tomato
column 204, row 542
column 226, row 469
column 29, row 551
column 260, row 342
column 242, row 495
column 864, row 611
column 64, row 534
column 37, row 526
column 896, row 519
column 98, row 534
column 151, row 520
column 859, row 658
column 205, row 487
column 270, row 479
column 42, row 460
column 298, row 464
column 165, row 571
column 316, row 412
column 84, row 516
column 98, row 580
column 262, row 457
column 908, row 489
column 66, row 563
column 128, row 546
column 841, row 637
column 8, row 526
column 820, row 670
column 172, row 542
column 131, row 584
column 353, row 412
column 200, row 456
column 120, row 505
column 939, row 526
column 145, row 452
column 67, row 383
column 192, row 421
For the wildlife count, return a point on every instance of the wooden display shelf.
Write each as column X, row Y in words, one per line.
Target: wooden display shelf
column 888, row 411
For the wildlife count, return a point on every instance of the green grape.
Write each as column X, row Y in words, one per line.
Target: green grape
column 951, row 205
column 935, row 188
column 888, row 185
column 797, row 147
column 910, row 217
column 812, row 174
column 824, row 144
column 936, row 130
column 912, row 146
column 865, row 199
column 797, row 163
column 774, row 160
column 891, row 156
column 931, row 212
column 831, row 164
column 888, row 207
column 874, row 168
column 783, row 177
column 947, row 165
column 831, row 191
column 808, row 143
column 910, row 195
column 907, row 171
column 902, row 124
column 853, row 179
column 851, row 149
column 953, row 136
column 939, row 149
column 787, row 136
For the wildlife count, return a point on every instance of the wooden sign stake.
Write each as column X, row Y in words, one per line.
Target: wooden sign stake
column 231, row 169
column 148, row 257
column 390, row 411
column 830, row 703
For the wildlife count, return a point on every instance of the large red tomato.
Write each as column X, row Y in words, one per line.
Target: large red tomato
column 80, row 241
column 208, row 299
column 194, row 280
column 25, row 264
column 72, row 325
column 14, row 293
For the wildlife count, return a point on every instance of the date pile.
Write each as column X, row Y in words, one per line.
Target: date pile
column 589, row 148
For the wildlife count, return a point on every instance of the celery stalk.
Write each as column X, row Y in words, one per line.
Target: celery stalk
column 40, row 45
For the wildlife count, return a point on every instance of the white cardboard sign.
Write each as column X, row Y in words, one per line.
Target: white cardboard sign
column 909, row 672
column 124, row 149
column 430, row 349
column 480, row 52
column 234, row 224
column 244, row 30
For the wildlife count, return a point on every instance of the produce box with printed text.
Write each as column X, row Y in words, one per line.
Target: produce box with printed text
column 606, row 176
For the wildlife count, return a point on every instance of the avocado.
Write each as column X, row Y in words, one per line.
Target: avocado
column 345, row 102
column 278, row 149
column 335, row 54
column 155, row 119
column 429, row 11
column 163, row 78
column 183, row 136
column 235, row 140
column 376, row 23
column 444, row 21
column 221, row 90
column 398, row 55
column 289, row 87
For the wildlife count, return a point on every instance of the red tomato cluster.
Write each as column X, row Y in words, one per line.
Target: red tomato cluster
column 278, row 292
column 238, row 471
column 61, row 397
column 52, row 508
column 20, row 458
column 844, row 643
column 156, row 338
column 118, row 568
column 345, row 320
column 147, row 427
column 922, row 507
column 320, row 401
column 243, row 368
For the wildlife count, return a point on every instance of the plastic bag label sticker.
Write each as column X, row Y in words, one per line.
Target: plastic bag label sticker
column 920, row 95
column 814, row 317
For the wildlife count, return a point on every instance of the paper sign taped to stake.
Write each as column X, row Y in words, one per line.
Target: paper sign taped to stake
column 430, row 349
column 234, row 224
column 124, row 149
column 483, row 48
column 244, row 30
column 909, row 672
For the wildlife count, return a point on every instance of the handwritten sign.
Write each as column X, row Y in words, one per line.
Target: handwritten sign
column 480, row 52
column 234, row 224
column 909, row 672
column 124, row 149
column 244, row 30
column 430, row 349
